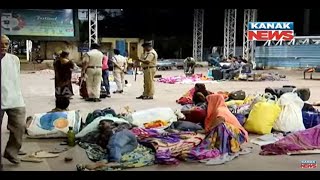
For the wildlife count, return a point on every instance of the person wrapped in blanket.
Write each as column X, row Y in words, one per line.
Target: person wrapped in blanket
column 224, row 133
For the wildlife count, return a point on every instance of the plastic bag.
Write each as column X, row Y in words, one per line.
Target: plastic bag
column 139, row 118
column 290, row 119
column 262, row 117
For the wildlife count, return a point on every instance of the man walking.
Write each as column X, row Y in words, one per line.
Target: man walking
column 12, row 102
column 148, row 63
column 92, row 68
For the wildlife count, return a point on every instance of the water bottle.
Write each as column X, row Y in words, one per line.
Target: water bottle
column 71, row 137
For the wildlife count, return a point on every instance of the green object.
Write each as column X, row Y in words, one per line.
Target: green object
column 71, row 137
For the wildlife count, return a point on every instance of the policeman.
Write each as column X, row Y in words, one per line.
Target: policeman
column 148, row 63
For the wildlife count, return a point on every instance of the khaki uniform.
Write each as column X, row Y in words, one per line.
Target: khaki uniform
column 94, row 72
column 118, row 74
column 149, row 70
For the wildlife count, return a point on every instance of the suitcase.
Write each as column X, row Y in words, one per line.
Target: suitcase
column 217, row 74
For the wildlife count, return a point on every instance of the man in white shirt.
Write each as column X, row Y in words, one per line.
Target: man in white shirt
column 12, row 102
column 120, row 66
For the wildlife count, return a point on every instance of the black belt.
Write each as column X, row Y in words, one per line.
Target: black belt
column 94, row 66
column 149, row 67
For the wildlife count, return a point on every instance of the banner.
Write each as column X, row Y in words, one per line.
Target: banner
column 38, row 22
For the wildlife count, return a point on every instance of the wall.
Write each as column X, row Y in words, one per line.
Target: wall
column 112, row 41
column 299, row 56
column 51, row 47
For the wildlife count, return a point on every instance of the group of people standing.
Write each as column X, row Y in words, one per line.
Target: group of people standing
column 95, row 71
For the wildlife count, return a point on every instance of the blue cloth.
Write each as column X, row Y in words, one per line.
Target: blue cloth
column 105, row 83
column 120, row 143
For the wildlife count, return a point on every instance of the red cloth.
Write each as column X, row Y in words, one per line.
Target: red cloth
column 186, row 98
column 105, row 63
column 197, row 115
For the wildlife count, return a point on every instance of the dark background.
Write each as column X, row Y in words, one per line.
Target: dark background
column 172, row 29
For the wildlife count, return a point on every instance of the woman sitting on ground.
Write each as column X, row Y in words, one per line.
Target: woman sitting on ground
column 224, row 130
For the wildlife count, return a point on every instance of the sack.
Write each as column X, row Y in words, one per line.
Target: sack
column 262, row 117
column 310, row 118
column 280, row 91
column 237, row 95
column 304, row 93
column 139, row 118
column 54, row 124
column 290, row 118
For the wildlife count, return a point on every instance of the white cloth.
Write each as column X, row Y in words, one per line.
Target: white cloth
column 11, row 95
column 120, row 61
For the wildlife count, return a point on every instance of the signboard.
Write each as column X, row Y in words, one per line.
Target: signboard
column 38, row 22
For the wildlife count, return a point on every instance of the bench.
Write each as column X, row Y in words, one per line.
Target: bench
column 311, row 71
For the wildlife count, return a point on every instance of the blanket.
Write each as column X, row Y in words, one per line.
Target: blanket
column 196, row 78
column 139, row 157
column 302, row 140
column 168, row 146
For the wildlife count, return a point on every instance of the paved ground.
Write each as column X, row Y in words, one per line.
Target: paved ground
column 39, row 96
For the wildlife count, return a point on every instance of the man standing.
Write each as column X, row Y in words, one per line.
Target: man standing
column 105, row 74
column 92, row 68
column 12, row 102
column 148, row 64
column 189, row 65
column 120, row 66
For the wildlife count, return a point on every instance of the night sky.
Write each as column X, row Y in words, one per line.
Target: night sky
column 174, row 27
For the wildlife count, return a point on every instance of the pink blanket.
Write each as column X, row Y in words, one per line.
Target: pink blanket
column 302, row 140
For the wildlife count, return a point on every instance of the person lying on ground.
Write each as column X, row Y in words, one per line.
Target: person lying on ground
column 117, row 139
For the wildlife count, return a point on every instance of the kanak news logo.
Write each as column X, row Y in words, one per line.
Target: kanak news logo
column 275, row 31
column 307, row 164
